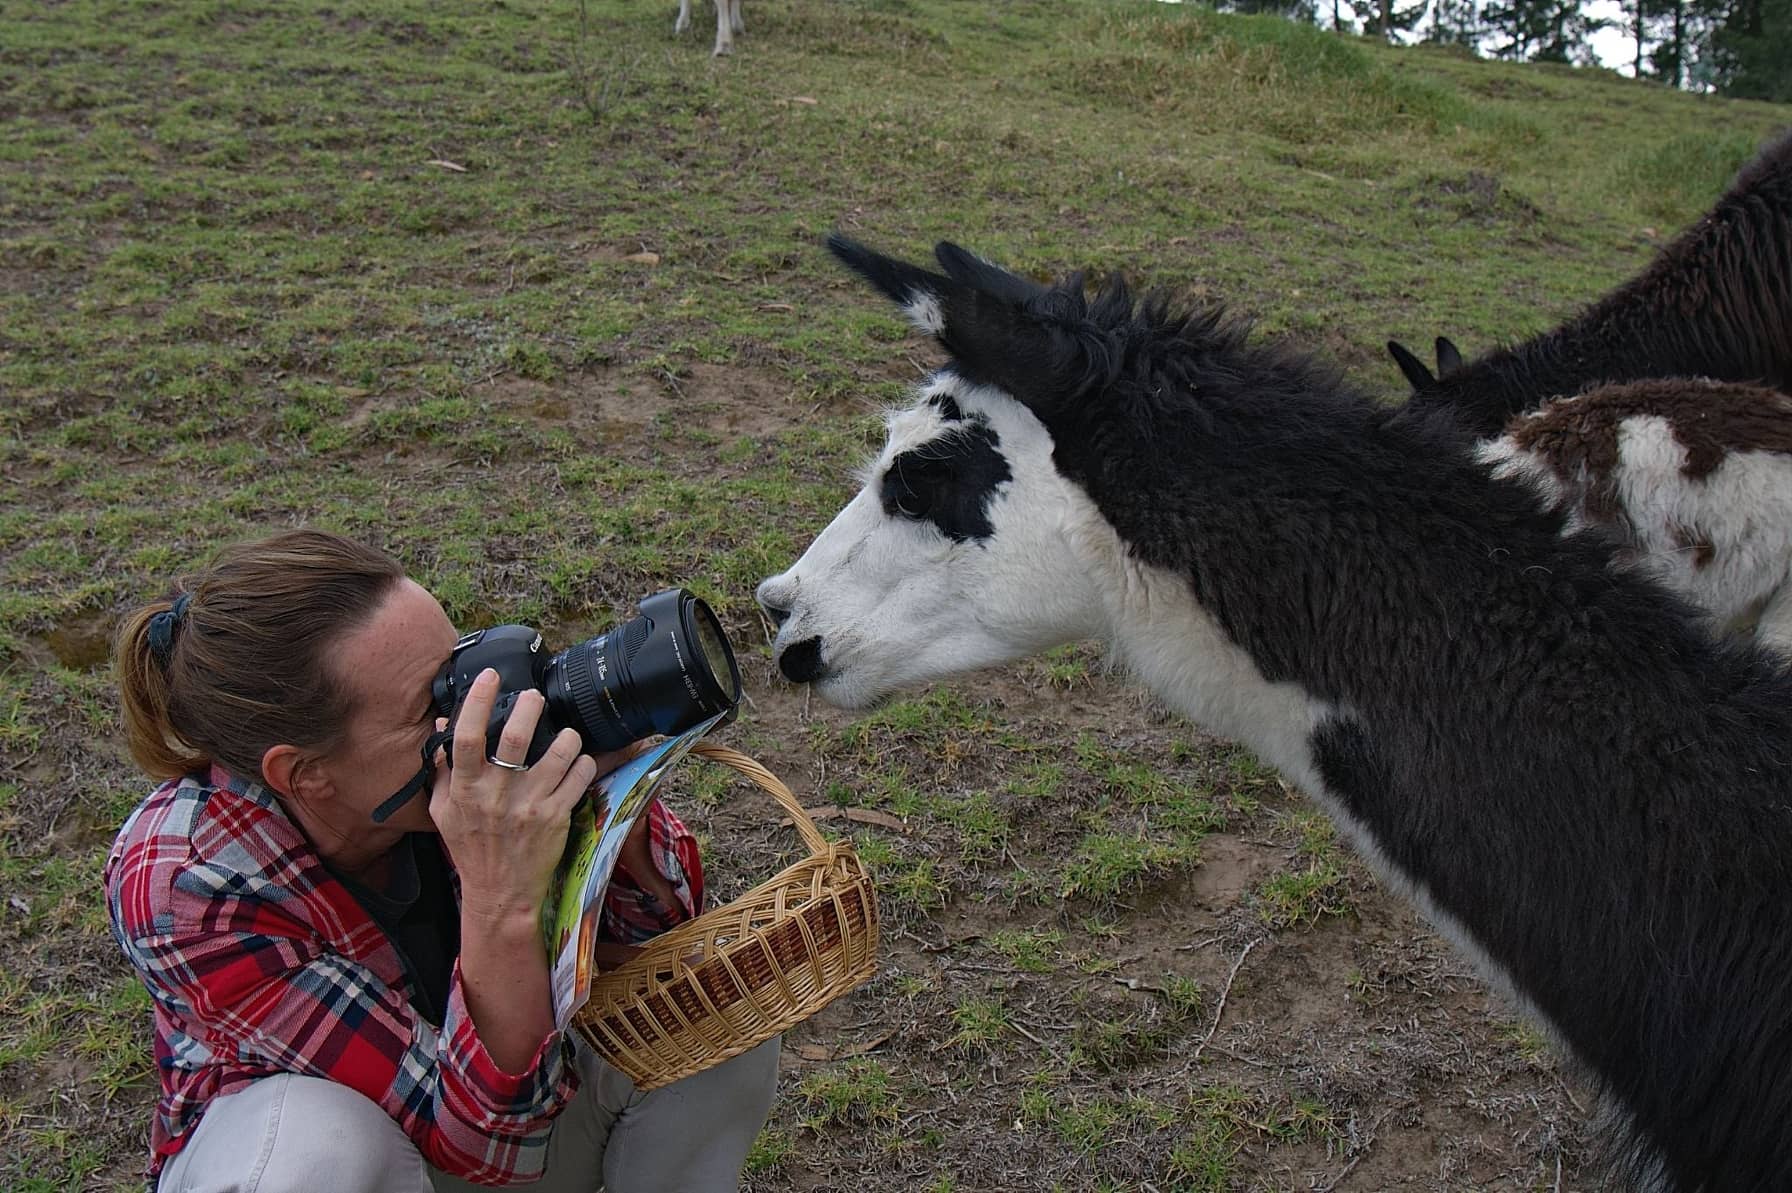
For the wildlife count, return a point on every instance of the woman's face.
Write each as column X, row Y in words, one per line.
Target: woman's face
column 387, row 665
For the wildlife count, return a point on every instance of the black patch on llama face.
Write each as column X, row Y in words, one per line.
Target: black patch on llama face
column 949, row 481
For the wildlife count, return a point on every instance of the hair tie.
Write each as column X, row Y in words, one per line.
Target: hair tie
column 162, row 627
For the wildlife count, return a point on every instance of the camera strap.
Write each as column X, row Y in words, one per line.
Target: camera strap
column 419, row 781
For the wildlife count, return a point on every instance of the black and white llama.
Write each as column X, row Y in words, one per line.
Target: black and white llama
column 1716, row 303
column 1542, row 748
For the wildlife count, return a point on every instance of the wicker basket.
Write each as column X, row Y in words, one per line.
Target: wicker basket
column 723, row 983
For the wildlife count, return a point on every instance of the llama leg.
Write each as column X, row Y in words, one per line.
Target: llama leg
column 739, row 25
column 724, row 34
column 684, row 17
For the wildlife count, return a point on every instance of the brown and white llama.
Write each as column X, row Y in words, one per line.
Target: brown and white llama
column 1693, row 477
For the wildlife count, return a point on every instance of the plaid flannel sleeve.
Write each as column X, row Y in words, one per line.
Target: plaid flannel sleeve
column 633, row 914
column 252, row 984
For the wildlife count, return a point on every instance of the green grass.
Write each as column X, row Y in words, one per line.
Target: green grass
column 1315, row 887
column 979, row 1025
column 860, row 1094
column 1106, row 865
column 1031, row 951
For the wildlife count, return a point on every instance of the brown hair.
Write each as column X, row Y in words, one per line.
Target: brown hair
column 239, row 666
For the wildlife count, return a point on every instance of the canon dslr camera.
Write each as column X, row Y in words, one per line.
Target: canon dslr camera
column 663, row 672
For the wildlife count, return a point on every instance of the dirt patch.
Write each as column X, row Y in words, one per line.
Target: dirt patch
column 82, row 643
column 608, row 405
column 1475, row 197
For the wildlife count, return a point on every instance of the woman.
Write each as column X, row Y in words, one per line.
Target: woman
column 347, row 1005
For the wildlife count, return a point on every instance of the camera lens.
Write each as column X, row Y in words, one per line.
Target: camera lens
column 717, row 655
column 663, row 672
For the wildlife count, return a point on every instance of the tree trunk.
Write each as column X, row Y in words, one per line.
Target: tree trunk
column 1641, row 36
column 1679, row 42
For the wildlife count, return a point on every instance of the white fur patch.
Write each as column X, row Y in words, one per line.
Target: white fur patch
column 924, row 311
column 1723, row 541
column 1741, row 510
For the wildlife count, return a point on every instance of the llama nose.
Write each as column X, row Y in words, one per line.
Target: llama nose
column 801, row 661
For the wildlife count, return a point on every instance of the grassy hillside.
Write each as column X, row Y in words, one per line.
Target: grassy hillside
column 534, row 298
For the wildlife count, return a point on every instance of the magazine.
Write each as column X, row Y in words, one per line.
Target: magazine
column 575, row 903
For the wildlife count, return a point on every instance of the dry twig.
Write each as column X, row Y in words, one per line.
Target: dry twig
column 1220, row 1009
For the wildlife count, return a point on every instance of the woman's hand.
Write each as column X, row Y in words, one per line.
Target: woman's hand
column 506, row 829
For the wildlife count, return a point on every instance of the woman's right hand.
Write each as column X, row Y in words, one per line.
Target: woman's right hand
column 506, row 829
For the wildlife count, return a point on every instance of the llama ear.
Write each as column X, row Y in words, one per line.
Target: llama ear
column 1002, row 330
column 921, row 293
column 1417, row 375
column 980, row 314
column 1449, row 360
column 985, row 277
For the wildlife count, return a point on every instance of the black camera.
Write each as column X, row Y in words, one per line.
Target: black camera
column 663, row 672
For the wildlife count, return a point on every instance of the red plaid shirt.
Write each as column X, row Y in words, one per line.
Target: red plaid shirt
column 259, row 961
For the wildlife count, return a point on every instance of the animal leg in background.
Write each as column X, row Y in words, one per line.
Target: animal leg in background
column 728, row 23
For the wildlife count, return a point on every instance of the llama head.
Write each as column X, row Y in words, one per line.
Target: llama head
column 959, row 550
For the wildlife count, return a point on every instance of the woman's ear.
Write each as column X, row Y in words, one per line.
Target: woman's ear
column 288, row 771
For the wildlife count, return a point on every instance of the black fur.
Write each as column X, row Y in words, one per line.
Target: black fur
column 949, row 481
column 1546, row 744
column 1715, row 303
column 1417, row 374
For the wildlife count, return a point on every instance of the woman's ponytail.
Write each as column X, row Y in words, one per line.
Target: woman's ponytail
column 145, row 689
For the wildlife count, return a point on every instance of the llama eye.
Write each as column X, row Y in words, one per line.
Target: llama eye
column 904, row 500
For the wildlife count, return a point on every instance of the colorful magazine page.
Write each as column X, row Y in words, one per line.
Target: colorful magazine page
column 575, row 904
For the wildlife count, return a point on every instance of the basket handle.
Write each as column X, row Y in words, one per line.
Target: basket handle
column 772, row 785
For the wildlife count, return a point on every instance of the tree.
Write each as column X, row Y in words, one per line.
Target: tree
column 1542, row 30
column 1455, row 23
column 1385, row 18
column 1676, row 31
column 1749, row 52
column 1640, row 28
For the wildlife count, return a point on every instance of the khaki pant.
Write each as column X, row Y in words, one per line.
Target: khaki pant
column 293, row 1134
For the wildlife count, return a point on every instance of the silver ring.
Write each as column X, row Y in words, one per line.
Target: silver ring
column 507, row 765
